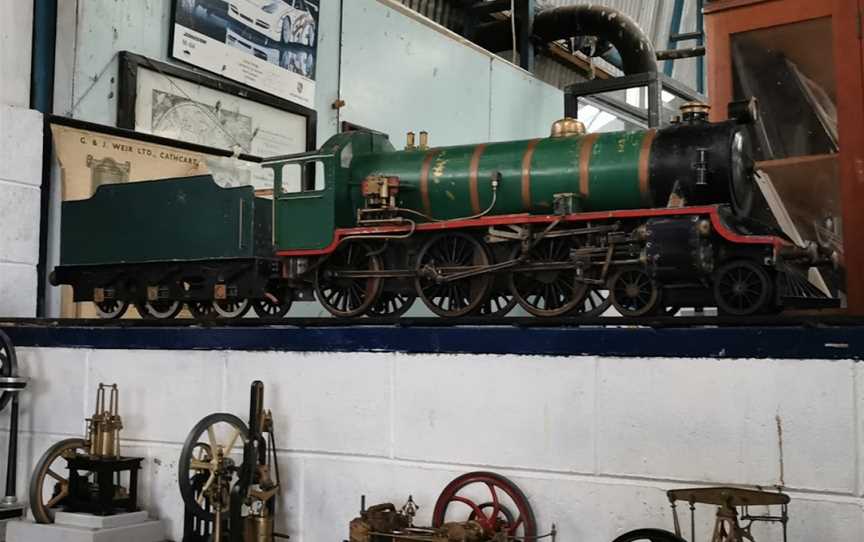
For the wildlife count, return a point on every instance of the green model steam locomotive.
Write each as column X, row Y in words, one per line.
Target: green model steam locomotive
column 564, row 225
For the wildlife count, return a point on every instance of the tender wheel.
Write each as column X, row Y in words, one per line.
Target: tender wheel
column 634, row 292
column 8, row 366
column 276, row 303
column 49, row 483
column 201, row 310
column 548, row 292
column 446, row 255
column 392, row 304
column 112, row 309
column 490, row 499
column 651, row 535
column 231, row 309
column 159, row 310
column 206, row 463
column 346, row 296
column 742, row 288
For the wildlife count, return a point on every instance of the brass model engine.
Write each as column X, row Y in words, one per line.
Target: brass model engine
column 231, row 497
column 103, row 428
column 94, row 466
column 383, row 523
column 497, row 511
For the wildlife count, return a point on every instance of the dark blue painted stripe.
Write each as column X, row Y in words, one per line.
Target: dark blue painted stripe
column 842, row 342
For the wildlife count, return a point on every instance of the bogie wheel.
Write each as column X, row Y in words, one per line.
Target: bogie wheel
column 111, row 309
column 650, row 535
column 209, row 462
column 449, row 254
column 276, row 302
column 548, row 292
column 201, row 310
column 490, row 499
column 742, row 288
column 634, row 293
column 8, row 366
column 230, row 309
column 391, row 304
column 347, row 297
column 159, row 310
column 50, row 477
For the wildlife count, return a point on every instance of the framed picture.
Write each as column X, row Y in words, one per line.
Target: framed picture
column 269, row 45
column 169, row 101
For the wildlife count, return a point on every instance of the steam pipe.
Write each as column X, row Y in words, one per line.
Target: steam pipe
column 636, row 50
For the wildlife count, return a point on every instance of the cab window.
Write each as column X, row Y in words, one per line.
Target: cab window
column 303, row 177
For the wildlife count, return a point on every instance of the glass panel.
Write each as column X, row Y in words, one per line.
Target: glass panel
column 303, row 177
column 790, row 70
column 292, row 178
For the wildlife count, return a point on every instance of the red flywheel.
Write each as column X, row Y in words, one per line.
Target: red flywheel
column 490, row 499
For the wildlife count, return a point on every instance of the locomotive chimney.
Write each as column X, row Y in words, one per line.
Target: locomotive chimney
column 695, row 112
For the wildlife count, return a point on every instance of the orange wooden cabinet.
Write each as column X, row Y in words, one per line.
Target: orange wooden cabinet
column 803, row 60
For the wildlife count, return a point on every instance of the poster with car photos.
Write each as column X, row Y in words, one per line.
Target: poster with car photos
column 270, row 45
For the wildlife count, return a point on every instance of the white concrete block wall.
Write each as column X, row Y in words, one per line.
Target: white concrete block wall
column 594, row 442
column 20, row 181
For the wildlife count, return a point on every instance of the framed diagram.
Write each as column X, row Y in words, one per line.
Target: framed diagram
column 269, row 45
column 165, row 100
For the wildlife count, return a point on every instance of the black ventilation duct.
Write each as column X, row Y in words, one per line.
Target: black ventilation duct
column 636, row 51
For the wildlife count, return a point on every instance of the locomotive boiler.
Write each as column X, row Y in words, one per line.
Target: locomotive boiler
column 646, row 221
column 707, row 163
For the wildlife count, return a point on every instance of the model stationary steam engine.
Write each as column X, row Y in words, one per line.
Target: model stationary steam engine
column 568, row 224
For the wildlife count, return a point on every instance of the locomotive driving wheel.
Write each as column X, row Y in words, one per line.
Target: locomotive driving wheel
column 340, row 293
column 742, row 288
column 491, row 500
column 444, row 256
column 634, row 293
column 544, row 287
column 49, row 484
column 207, row 468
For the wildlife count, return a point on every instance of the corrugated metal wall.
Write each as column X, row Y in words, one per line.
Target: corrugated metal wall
column 654, row 16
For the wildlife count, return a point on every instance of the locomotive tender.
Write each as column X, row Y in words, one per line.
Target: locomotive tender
column 569, row 224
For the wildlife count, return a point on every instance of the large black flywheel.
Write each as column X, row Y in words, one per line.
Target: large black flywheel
column 742, row 288
column 634, row 292
column 345, row 284
column 447, row 280
column 547, row 284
